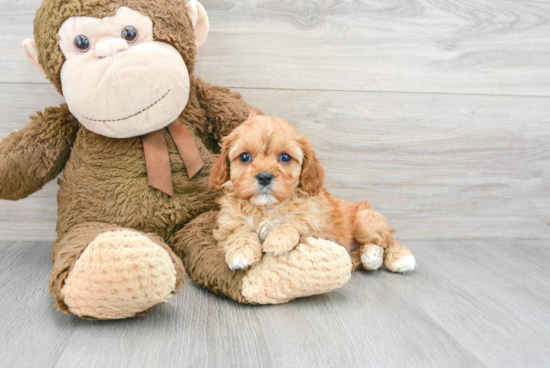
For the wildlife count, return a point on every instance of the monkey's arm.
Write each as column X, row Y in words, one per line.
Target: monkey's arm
column 36, row 154
column 225, row 110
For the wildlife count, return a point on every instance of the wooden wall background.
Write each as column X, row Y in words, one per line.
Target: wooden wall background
column 436, row 111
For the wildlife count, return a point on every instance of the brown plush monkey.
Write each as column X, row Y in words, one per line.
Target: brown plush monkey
column 135, row 142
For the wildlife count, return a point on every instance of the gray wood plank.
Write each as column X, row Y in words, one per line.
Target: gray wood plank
column 457, row 309
column 475, row 300
column 465, row 46
column 32, row 333
column 438, row 166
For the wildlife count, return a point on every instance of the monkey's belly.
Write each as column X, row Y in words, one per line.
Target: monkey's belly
column 106, row 181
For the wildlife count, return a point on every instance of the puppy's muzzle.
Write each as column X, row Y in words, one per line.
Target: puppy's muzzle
column 264, row 178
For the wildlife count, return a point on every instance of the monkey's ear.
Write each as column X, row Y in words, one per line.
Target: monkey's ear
column 31, row 54
column 199, row 20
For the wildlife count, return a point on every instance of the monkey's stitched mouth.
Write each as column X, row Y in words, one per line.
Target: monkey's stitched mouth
column 131, row 116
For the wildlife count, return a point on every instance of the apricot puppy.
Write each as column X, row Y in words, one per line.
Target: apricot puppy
column 272, row 186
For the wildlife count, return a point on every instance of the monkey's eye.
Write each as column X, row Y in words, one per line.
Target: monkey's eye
column 244, row 157
column 130, row 34
column 285, row 157
column 82, row 43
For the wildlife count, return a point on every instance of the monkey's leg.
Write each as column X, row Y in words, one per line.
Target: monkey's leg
column 105, row 271
column 374, row 234
column 315, row 266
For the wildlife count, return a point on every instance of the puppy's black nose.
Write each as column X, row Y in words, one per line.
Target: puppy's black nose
column 264, row 178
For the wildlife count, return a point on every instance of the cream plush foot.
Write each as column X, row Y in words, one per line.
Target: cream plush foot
column 120, row 274
column 314, row 267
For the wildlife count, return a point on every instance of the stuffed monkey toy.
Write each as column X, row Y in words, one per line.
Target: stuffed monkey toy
column 136, row 141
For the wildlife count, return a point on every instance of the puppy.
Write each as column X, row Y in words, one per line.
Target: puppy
column 272, row 186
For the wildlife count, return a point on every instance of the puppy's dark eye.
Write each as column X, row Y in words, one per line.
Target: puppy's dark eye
column 245, row 157
column 82, row 43
column 130, row 34
column 285, row 157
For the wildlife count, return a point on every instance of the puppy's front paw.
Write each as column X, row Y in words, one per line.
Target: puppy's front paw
column 281, row 241
column 238, row 263
column 242, row 254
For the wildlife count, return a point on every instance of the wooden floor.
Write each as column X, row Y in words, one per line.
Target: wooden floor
column 436, row 111
column 469, row 304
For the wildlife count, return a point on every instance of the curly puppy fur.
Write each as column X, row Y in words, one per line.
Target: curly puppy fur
column 272, row 185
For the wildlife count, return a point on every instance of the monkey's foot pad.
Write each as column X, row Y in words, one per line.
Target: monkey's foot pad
column 120, row 274
column 313, row 267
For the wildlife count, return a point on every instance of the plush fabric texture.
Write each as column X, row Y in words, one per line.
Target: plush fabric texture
column 122, row 89
column 105, row 180
column 302, row 272
column 157, row 161
column 199, row 21
column 120, row 273
column 171, row 24
column 204, row 259
column 315, row 266
column 187, row 148
column 66, row 252
column 107, row 210
column 34, row 155
column 30, row 52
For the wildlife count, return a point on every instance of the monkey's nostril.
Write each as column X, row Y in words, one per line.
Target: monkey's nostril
column 264, row 178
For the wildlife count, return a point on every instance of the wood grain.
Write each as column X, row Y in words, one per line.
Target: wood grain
column 463, row 46
column 458, row 309
column 438, row 166
column 406, row 102
column 32, row 333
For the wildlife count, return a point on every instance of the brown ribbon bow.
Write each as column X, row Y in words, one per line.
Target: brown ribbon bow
column 159, row 174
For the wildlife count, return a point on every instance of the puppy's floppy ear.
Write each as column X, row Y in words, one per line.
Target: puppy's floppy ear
column 220, row 172
column 313, row 174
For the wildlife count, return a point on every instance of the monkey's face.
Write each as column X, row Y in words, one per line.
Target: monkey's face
column 117, row 81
